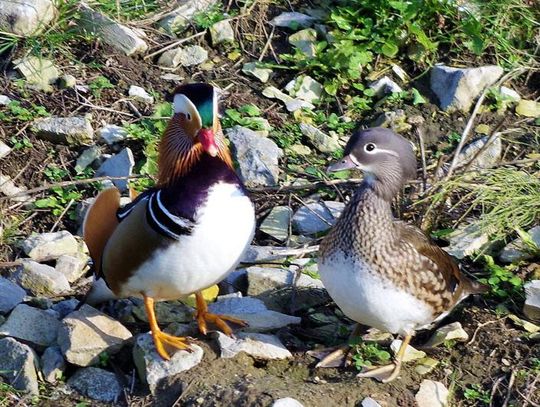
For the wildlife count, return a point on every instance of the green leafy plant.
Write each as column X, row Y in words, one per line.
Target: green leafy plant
column 367, row 354
column 16, row 111
column 246, row 116
column 59, row 200
column 21, row 143
column 98, row 84
column 476, row 393
column 206, row 19
column 128, row 9
column 502, row 280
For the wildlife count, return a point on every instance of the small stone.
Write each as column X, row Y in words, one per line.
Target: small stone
column 300, row 149
column 166, row 312
column 262, row 74
column 260, row 346
column 41, row 279
column 97, row 384
column 262, row 279
column 369, row 402
column 65, row 307
column 26, row 18
column 287, row 402
column 457, row 88
column 50, row 246
column 153, row 369
column 450, row 332
column 293, row 20
column 53, row 364
column 432, row 394
column 516, row 250
column 290, row 103
column 385, row 86
column 67, row 81
column 321, row 141
column 528, row 108
column 13, row 192
column 426, row 365
column 257, row 157
column 305, row 40
column 192, row 55
column 119, row 165
column 32, row 325
column 276, row 224
column 18, row 365
column 486, row 159
column 465, row 241
column 4, row 100
column 509, row 94
column 410, row 352
column 112, row 134
column 4, row 149
column 11, row 295
column 222, row 32
column 179, row 18
column 395, row 120
column 117, row 35
column 65, row 130
column 140, row 95
column 40, row 73
column 532, row 300
column 72, row 267
column 317, row 217
column 86, row 333
column 87, row 157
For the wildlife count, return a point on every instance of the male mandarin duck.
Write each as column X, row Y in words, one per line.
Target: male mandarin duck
column 184, row 235
column 380, row 271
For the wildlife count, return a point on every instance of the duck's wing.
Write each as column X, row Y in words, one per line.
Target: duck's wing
column 100, row 223
column 455, row 281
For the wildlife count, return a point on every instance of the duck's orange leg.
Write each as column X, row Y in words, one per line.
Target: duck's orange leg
column 203, row 316
column 161, row 337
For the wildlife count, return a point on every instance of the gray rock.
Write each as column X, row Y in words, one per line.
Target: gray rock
column 259, row 254
column 293, row 20
column 87, row 158
column 410, row 352
column 291, row 103
column 369, row 402
column 140, row 95
column 465, row 241
column 32, row 325
column 287, row 402
column 262, row 74
column 516, row 250
column 261, row 280
column 50, row 246
column 118, row 36
column 509, row 94
column 152, row 368
column 316, row 217
column 321, row 141
column 72, row 267
column 305, row 88
column 4, row 100
column 41, row 279
column 450, row 332
column 305, row 41
column 166, row 312
column 40, row 73
column 260, row 346
column 11, row 295
column 65, row 307
column 532, row 300
column 98, row 384
column 187, row 56
column 18, row 365
column 53, row 364
column 385, row 86
column 395, row 120
column 487, row 158
column 119, row 165
column 222, row 32
column 86, row 333
column 179, row 18
column 112, row 134
column 66, row 130
column 457, row 88
column 276, row 224
column 13, row 192
column 237, row 305
column 4, row 149
column 67, row 81
column 432, row 394
column 26, row 17
column 257, row 157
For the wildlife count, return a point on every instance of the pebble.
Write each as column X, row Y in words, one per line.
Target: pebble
column 72, row 267
column 432, row 394
column 532, row 300
column 4, row 100
column 304, row 40
column 32, row 325
column 410, row 352
column 86, row 333
column 53, row 364
column 293, row 20
column 119, row 165
column 369, row 402
column 222, row 32
column 98, row 384
column 287, row 402
column 140, row 95
column 74, row 131
column 262, row 280
column 112, row 134
column 50, row 246
column 87, row 157
column 308, row 220
column 465, row 241
column 450, row 332
column 262, row 74
column 18, row 365
column 260, row 346
column 4, row 148
column 320, row 140
column 516, row 250
column 385, row 86
column 40, row 73
column 276, row 224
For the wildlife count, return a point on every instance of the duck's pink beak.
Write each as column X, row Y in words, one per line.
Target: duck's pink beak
column 206, row 137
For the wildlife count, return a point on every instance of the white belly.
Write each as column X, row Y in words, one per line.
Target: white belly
column 225, row 228
column 367, row 299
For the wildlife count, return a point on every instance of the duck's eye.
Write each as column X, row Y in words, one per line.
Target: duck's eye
column 188, row 116
column 369, row 147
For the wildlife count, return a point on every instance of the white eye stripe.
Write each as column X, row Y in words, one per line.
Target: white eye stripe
column 377, row 150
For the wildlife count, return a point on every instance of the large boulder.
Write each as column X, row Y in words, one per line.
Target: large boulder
column 26, row 17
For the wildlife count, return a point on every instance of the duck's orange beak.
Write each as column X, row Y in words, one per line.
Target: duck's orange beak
column 206, row 137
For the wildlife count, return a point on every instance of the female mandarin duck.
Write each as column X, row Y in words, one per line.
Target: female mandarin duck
column 382, row 272
column 188, row 232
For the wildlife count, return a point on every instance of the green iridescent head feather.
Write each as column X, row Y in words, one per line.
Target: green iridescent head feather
column 202, row 96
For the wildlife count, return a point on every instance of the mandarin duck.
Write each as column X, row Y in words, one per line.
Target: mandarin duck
column 185, row 234
column 382, row 272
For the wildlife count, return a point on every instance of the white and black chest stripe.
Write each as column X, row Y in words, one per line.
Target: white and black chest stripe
column 158, row 216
